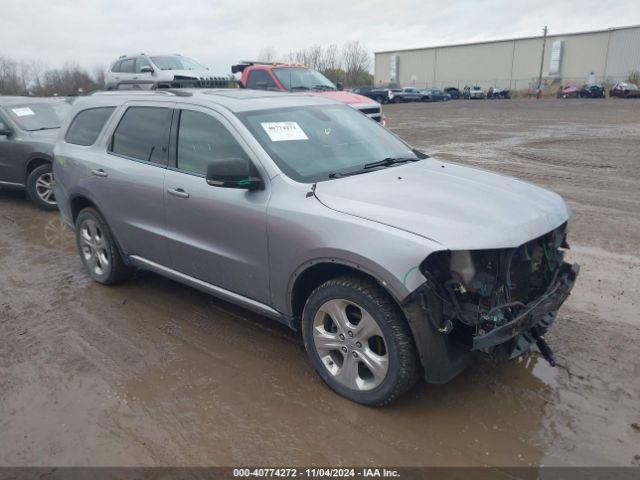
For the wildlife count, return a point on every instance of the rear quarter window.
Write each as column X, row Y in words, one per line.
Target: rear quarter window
column 87, row 125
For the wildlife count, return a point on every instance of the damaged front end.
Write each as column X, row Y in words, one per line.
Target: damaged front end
column 498, row 302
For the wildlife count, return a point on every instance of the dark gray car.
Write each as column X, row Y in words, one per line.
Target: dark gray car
column 28, row 130
column 392, row 264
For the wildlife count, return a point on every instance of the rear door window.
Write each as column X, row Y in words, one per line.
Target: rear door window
column 87, row 125
column 143, row 134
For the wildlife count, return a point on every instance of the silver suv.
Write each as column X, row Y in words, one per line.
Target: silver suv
column 393, row 265
column 146, row 72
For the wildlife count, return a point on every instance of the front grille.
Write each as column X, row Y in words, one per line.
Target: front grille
column 203, row 82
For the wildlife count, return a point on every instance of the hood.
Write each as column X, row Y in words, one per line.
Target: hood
column 190, row 73
column 345, row 97
column 459, row 207
column 45, row 136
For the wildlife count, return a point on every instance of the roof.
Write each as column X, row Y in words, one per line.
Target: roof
column 466, row 44
column 15, row 100
column 233, row 99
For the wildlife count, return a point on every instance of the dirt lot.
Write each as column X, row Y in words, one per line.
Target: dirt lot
column 155, row 373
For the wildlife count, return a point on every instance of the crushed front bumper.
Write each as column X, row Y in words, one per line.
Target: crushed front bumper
column 538, row 313
column 443, row 357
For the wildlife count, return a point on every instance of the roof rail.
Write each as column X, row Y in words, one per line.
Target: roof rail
column 176, row 91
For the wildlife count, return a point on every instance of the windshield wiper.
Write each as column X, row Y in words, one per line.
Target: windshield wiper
column 387, row 162
column 323, row 87
column 43, row 128
column 301, row 87
column 346, row 174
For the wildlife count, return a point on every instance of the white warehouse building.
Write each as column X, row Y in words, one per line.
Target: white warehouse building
column 602, row 55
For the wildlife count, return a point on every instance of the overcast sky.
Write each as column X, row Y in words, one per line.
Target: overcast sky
column 219, row 33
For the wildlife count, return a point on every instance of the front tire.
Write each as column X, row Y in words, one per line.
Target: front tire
column 359, row 342
column 40, row 187
column 98, row 250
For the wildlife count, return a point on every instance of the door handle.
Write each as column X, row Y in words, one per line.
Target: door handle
column 100, row 173
column 178, row 192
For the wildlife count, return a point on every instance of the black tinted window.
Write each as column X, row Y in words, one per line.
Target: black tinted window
column 128, row 66
column 202, row 140
column 87, row 125
column 260, row 79
column 143, row 134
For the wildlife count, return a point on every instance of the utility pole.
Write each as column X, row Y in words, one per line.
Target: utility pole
column 544, row 44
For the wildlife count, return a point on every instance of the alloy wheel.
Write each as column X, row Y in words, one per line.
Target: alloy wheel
column 94, row 247
column 350, row 345
column 44, row 188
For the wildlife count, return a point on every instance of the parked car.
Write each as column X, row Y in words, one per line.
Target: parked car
column 146, row 72
column 568, row 91
column 380, row 95
column 393, row 265
column 498, row 94
column 592, row 91
column 28, row 130
column 407, row 94
column 434, row 95
column 453, row 92
column 471, row 93
column 297, row 78
column 625, row 90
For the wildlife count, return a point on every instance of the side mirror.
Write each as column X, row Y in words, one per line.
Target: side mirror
column 146, row 69
column 339, row 86
column 4, row 130
column 234, row 173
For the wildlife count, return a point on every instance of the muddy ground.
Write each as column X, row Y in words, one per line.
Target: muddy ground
column 155, row 373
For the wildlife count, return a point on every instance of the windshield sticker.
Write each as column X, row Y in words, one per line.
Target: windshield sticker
column 284, row 131
column 22, row 112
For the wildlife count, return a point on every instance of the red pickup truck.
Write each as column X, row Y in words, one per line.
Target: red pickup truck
column 298, row 78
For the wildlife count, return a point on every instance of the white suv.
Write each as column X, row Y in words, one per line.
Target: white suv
column 146, row 72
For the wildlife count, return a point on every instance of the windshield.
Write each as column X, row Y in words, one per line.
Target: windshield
column 172, row 62
column 39, row 116
column 310, row 143
column 298, row 78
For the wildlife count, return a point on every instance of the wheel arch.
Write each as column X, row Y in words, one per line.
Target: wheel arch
column 79, row 202
column 34, row 162
column 313, row 273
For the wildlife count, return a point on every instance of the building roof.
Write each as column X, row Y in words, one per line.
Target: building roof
column 484, row 42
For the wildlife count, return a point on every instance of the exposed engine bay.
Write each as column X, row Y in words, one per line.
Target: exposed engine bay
column 500, row 301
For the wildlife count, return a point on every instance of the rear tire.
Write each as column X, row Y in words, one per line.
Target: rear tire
column 98, row 250
column 40, row 187
column 359, row 341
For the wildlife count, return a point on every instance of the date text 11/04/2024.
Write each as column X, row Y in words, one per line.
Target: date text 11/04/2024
column 316, row 472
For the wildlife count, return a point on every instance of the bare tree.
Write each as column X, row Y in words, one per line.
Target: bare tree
column 356, row 62
column 100, row 76
column 10, row 81
column 267, row 54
